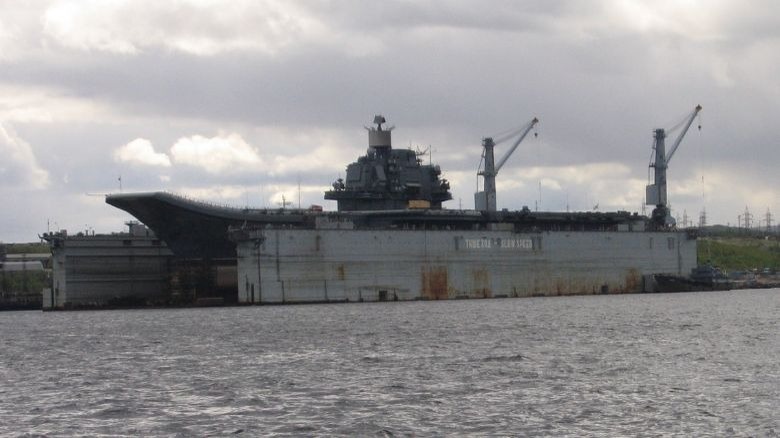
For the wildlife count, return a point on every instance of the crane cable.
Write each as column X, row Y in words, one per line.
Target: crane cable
column 479, row 168
column 506, row 135
column 681, row 122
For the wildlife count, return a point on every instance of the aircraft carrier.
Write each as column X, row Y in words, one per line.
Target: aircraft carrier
column 391, row 238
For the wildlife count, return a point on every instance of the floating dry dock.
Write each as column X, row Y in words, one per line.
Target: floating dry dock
column 94, row 271
column 435, row 255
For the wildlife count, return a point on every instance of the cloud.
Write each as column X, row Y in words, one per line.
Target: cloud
column 18, row 31
column 19, row 167
column 610, row 184
column 309, row 151
column 225, row 195
column 141, row 151
column 88, row 26
column 217, row 154
column 195, row 27
column 7, row 37
column 25, row 104
column 295, row 80
column 261, row 196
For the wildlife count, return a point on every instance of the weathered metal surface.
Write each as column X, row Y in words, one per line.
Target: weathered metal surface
column 101, row 270
column 481, row 278
column 633, row 280
column 376, row 265
column 435, row 285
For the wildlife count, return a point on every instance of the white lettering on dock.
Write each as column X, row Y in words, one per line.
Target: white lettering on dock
column 498, row 243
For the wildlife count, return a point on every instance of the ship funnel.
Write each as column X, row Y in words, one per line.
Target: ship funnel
column 378, row 137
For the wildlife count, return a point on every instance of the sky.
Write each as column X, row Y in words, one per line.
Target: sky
column 244, row 103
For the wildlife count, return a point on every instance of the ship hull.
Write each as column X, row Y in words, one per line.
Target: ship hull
column 192, row 229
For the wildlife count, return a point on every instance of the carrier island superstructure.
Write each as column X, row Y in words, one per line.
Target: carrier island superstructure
column 391, row 239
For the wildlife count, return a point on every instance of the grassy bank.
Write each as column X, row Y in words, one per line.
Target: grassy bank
column 740, row 253
column 23, row 281
column 26, row 248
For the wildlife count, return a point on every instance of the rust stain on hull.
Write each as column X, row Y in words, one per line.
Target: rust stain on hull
column 435, row 284
column 482, row 287
column 633, row 281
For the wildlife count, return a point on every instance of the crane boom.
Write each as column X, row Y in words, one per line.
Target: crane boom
column 529, row 126
column 682, row 133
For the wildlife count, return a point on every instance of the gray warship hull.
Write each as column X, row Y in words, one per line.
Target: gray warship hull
column 193, row 229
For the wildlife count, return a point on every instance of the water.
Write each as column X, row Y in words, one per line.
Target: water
column 691, row 364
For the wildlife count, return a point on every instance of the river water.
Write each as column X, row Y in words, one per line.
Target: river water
column 690, row 364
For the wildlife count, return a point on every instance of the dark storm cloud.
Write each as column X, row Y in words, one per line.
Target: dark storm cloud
column 489, row 85
column 500, row 16
column 448, row 73
column 599, row 75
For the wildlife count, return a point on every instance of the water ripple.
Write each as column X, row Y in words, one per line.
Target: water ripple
column 704, row 364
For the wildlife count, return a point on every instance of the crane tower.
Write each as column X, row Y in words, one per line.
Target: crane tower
column 485, row 200
column 656, row 192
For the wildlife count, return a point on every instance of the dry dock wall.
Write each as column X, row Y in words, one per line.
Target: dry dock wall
column 320, row 265
column 105, row 270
